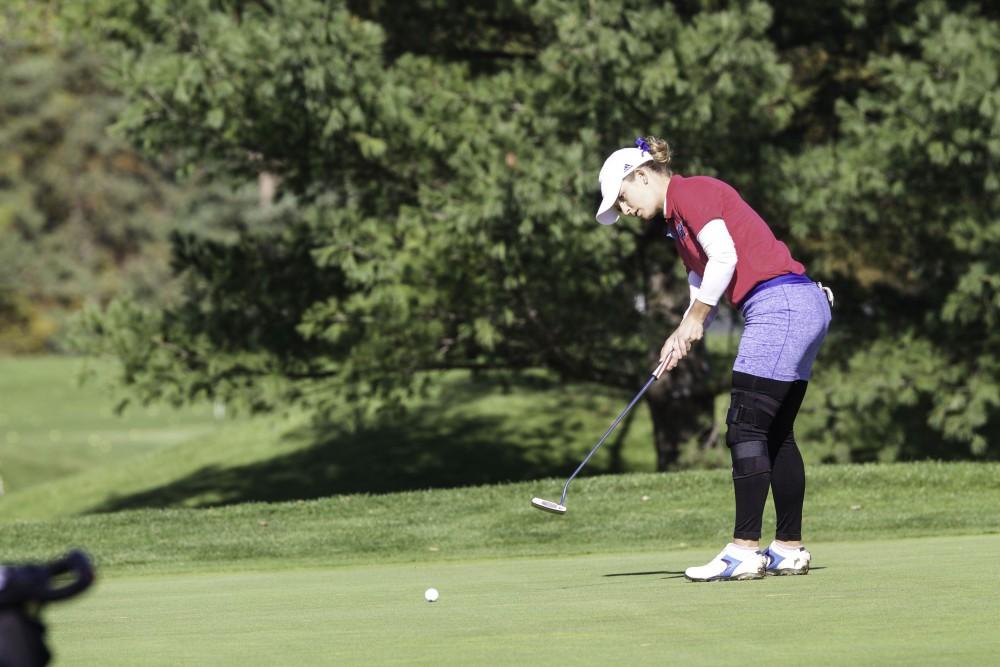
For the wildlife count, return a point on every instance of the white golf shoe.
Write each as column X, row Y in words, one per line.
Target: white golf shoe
column 732, row 564
column 787, row 560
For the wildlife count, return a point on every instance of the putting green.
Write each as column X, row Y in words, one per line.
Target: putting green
column 911, row 601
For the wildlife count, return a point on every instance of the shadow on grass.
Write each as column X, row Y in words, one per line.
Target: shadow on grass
column 417, row 451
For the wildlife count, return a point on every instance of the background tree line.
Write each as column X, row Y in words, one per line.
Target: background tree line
column 435, row 167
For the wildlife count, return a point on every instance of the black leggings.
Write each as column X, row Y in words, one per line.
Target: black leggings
column 762, row 442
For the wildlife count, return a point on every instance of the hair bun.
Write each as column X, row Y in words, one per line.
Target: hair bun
column 659, row 149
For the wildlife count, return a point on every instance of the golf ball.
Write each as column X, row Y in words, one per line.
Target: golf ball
column 431, row 594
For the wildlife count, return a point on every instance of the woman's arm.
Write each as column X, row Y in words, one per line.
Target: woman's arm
column 694, row 285
column 718, row 245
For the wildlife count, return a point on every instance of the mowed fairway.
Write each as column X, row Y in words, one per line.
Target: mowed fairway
column 907, row 601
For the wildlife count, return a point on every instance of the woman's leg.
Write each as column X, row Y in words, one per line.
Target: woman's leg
column 784, row 327
column 757, row 408
column 788, row 475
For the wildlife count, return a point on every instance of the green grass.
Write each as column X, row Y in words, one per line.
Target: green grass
column 467, row 431
column 248, row 544
column 607, row 514
column 903, row 602
column 51, row 426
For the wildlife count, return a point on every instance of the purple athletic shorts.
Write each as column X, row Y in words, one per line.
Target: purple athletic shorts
column 784, row 325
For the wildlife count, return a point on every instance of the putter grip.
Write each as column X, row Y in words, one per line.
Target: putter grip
column 663, row 365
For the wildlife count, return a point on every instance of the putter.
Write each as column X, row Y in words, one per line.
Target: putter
column 560, row 507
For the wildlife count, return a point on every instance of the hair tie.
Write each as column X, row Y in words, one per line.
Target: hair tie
column 641, row 144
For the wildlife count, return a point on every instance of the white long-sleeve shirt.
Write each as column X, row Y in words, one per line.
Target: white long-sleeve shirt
column 718, row 245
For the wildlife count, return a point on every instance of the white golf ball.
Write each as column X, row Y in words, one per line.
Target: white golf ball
column 431, row 594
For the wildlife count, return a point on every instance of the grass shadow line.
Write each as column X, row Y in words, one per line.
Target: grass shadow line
column 418, row 450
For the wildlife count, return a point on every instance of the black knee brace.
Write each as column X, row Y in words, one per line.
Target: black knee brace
column 750, row 416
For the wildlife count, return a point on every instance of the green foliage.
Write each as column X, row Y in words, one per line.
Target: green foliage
column 83, row 217
column 284, row 87
column 77, row 208
column 437, row 181
column 438, row 190
column 908, row 203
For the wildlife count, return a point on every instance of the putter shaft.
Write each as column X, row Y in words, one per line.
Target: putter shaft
column 652, row 378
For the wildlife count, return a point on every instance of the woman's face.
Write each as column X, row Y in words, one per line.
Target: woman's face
column 641, row 195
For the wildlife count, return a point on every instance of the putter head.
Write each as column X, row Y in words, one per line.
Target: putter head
column 548, row 506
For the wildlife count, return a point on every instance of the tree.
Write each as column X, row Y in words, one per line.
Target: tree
column 440, row 192
column 77, row 207
column 438, row 197
column 84, row 217
column 910, row 195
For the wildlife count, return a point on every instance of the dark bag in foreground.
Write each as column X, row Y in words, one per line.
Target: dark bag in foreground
column 24, row 589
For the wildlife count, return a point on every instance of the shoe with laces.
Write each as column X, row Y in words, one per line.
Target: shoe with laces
column 787, row 560
column 732, row 564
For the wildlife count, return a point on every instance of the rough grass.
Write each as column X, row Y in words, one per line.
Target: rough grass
column 468, row 431
column 611, row 513
column 52, row 426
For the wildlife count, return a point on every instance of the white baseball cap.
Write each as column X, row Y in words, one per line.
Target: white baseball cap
column 619, row 164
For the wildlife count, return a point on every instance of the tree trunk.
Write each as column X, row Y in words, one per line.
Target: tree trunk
column 679, row 403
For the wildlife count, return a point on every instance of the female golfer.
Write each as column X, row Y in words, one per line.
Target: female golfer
column 728, row 249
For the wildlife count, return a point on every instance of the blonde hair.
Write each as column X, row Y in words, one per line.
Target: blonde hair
column 659, row 149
